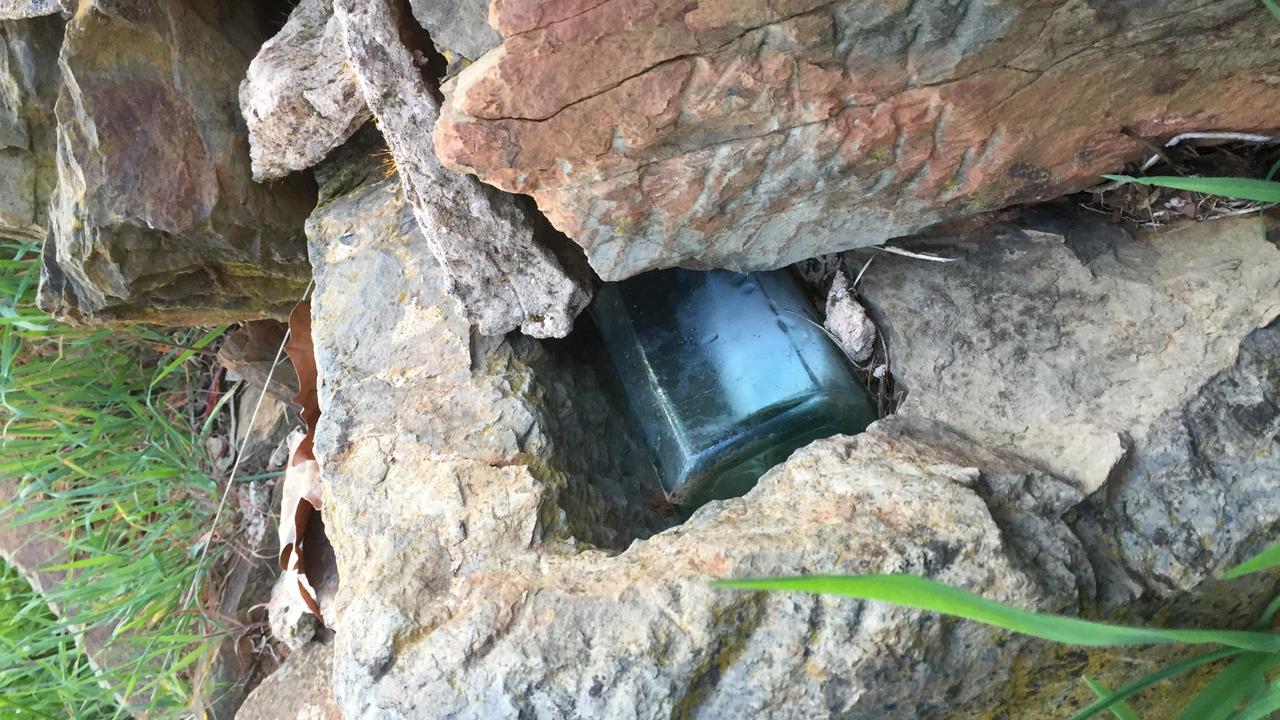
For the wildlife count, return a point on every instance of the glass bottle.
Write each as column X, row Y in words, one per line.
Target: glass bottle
column 726, row 375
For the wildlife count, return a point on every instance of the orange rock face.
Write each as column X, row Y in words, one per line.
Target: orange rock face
column 748, row 134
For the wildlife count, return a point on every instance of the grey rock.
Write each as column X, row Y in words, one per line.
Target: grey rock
column 299, row 690
column 299, row 98
column 1202, row 492
column 483, row 238
column 1067, row 347
column 458, row 27
column 19, row 9
column 28, row 87
column 156, row 217
column 848, row 322
column 497, row 560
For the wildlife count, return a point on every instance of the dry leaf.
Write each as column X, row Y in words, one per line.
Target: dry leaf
column 303, row 545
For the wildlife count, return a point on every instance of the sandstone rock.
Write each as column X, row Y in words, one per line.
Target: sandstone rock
column 28, row 86
column 18, row 9
column 747, row 135
column 299, row 690
column 1068, row 347
column 156, row 217
column 459, row 27
column 485, row 241
column 300, row 99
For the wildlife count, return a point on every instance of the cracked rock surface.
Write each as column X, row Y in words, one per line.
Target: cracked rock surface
column 1066, row 344
column 750, row 134
column 155, row 216
column 299, row 98
column 28, row 87
column 1141, row 369
column 484, row 240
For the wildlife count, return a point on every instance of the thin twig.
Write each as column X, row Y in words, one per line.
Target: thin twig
column 861, row 272
column 918, row 256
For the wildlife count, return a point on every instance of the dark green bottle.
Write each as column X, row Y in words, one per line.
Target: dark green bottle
column 726, row 375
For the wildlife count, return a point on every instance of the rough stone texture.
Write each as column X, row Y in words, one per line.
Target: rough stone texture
column 1202, row 492
column 480, row 574
column 156, row 217
column 299, row 690
column 18, row 9
column 487, row 507
column 300, row 99
column 1067, row 350
column 484, row 239
column 457, row 26
column 28, row 87
column 747, row 135
column 848, row 322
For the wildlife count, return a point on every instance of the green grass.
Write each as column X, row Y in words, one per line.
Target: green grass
column 1267, row 191
column 98, row 425
column 1244, row 681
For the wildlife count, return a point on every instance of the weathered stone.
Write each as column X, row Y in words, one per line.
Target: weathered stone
column 300, row 99
column 1067, row 347
column 1202, row 492
column 156, row 217
column 847, row 321
column 458, row 27
column 18, row 9
column 485, row 506
column 747, row 135
column 28, row 86
column 299, row 690
column 484, row 239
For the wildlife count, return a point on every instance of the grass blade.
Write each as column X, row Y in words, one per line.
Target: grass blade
column 1238, row 188
column 1241, row 678
column 1264, row 560
column 1164, row 673
column 1262, row 706
column 1274, row 7
column 1120, row 709
column 924, row 594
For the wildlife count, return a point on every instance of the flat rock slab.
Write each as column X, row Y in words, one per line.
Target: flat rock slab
column 751, row 134
column 1066, row 348
column 156, row 217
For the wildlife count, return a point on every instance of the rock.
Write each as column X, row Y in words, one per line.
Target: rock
column 1202, row 491
column 748, row 135
column 18, row 9
column 848, row 323
column 28, row 87
column 1067, row 347
column 299, row 690
column 156, row 217
column 459, row 27
column 292, row 623
column 300, row 99
column 503, row 275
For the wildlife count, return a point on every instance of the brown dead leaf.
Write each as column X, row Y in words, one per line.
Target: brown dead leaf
column 250, row 352
column 303, row 545
column 302, row 354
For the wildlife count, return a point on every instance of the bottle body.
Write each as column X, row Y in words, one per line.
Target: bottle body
column 726, row 375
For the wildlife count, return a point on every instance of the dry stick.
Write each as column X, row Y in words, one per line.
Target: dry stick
column 863, row 271
column 918, row 256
